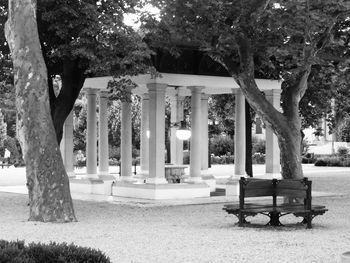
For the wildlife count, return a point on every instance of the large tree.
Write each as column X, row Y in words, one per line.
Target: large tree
column 285, row 37
column 47, row 180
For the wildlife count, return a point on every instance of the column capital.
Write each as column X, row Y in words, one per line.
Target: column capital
column 103, row 93
column 195, row 89
column 145, row 96
column 156, row 87
column 205, row 96
column 273, row 92
column 237, row 91
column 91, row 91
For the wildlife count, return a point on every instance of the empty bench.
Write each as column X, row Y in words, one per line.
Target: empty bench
column 295, row 198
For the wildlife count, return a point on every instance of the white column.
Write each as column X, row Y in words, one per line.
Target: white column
column 272, row 148
column 91, row 140
column 67, row 145
column 103, row 155
column 204, row 129
column 196, row 119
column 144, row 147
column 157, row 133
column 240, row 146
column 126, row 139
column 176, row 145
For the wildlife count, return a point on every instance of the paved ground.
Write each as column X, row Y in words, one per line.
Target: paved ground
column 137, row 232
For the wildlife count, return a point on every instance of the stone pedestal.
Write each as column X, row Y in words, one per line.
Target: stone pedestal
column 161, row 191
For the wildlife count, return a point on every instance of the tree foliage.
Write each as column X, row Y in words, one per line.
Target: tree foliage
column 3, row 127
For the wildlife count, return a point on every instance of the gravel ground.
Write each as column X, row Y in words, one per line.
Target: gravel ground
column 191, row 233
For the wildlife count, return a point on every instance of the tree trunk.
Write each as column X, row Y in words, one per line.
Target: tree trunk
column 73, row 78
column 289, row 145
column 248, row 140
column 47, row 180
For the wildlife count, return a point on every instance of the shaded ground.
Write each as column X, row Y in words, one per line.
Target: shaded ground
column 192, row 233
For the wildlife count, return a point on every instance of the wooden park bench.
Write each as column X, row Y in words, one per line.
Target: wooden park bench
column 280, row 191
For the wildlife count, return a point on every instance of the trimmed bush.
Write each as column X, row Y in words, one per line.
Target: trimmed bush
column 221, row 145
column 113, row 162
column 186, row 157
column 18, row 252
column 258, row 145
column 224, row 159
column 258, row 158
column 333, row 161
column 343, row 151
column 320, row 162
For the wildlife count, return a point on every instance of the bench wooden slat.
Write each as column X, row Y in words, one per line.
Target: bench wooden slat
column 258, row 184
column 291, row 184
column 291, row 192
column 256, row 192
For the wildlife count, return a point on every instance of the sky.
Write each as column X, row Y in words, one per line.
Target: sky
column 131, row 19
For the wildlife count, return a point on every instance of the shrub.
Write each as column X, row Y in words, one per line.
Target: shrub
column 258, row 158
column 114, row 152
column 308, row 158
column 332, row 161
column 320, row 162
column 136, row 161
column 335, row 161
column 113, row 162
column 258, row 146
column 186, row 157
column 135, row 152
column 17, row 252
column 221, row 145
column 342, row 151
column 224, row 159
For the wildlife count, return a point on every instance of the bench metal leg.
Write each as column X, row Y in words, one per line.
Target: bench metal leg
column 274, row 219
column 308, row 220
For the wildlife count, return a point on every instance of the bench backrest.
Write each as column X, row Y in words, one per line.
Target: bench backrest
column 266, row 187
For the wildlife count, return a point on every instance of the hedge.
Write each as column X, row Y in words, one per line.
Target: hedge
column 18, row 252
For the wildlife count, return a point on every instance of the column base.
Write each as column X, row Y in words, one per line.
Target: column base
column 141, row 178
column 106, row 177
column 236, row 177
column 210, row 180
column 130, row 179
column 232, row 187
column 155, row 180
column 92, row 176
column 161, row 191
column 194, row 180
column 87, row 186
